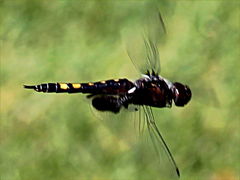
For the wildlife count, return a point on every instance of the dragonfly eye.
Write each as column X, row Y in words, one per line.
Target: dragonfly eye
column 181, row 94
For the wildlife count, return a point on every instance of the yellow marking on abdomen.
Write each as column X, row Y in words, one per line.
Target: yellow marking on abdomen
column 76, row 85
column 90, row 84
column 103, row 82
column 63, row 86
column 116, row 80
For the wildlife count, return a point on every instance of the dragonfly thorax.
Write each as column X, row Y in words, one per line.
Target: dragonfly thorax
column 152, row 91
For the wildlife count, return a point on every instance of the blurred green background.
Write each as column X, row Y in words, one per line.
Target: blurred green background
column 56, row 136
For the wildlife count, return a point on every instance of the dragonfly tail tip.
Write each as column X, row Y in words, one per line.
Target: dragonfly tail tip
column 29, row 87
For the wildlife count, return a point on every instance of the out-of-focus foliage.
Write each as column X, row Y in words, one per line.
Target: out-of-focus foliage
column 56, row 136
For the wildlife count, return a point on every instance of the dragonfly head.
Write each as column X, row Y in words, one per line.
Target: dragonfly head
column 181, row 94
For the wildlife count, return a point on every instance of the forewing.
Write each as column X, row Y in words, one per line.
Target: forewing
column 143, row 39
column 167, row 162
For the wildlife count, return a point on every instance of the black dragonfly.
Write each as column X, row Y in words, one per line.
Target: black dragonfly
column 152, row 90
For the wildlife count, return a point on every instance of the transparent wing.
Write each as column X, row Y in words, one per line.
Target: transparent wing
column 160, row 146
column 143, row 39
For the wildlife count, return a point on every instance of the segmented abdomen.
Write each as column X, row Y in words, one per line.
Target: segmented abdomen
column 117, row 86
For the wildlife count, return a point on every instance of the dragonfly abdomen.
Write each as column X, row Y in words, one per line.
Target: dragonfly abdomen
column 56, row 87
column 101, row 87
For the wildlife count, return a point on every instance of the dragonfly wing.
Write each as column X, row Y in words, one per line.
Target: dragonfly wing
column 142, row 42
column 160, row 146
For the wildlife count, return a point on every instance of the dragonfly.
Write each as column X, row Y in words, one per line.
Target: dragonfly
column 151, row 90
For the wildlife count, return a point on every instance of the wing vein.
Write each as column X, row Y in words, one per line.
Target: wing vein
column 152, row 125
